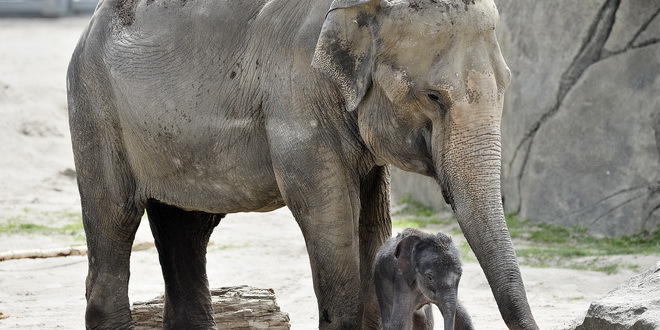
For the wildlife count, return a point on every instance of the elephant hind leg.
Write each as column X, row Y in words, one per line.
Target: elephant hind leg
column 110, row 234
column 111, row 209
column 181, row 239
column 111, row 215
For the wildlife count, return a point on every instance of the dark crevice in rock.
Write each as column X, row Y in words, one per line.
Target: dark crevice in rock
column 650, row 214
column 656, row 128
column 592, row 49
column 643, row 28
column 652, row 203
column 590, row 53
column 632, row 44
column 589, row 208
column 614, row 208
column 519, row 177
column 646, row 43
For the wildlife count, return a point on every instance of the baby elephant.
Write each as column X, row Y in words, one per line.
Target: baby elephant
column 413, row 270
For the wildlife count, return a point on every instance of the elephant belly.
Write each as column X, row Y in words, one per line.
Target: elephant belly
column 183, row 180
column 209, row 164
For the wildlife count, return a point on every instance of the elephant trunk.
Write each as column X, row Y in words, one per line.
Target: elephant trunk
column 471, row 184
column 447, row 306
column 487, row 234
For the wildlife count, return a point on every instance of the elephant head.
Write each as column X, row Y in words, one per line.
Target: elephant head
column 433, row 265
column 427, row 80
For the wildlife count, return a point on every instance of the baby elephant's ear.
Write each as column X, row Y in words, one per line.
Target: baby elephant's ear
column 404, row 257
column 344, row 48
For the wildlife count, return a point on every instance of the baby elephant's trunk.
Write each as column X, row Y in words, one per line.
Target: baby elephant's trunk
column 448, row 308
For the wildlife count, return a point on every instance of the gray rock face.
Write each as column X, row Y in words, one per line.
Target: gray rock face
column 581, row 120
column 631, row 306
column 581, row 124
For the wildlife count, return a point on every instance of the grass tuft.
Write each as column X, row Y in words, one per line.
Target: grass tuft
column 44, row 223
column 542, row 245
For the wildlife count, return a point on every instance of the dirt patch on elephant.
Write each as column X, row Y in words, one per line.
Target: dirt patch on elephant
column 126, row 11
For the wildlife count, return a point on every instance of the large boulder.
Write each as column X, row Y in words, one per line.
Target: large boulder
column 631, row 306
column 581, row 120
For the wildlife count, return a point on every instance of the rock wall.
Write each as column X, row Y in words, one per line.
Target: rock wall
column 581, row 122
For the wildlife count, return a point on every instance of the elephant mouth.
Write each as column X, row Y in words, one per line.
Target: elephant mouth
column 425, row 142
column 446, row 193
column 416, row 156
column 435, row 170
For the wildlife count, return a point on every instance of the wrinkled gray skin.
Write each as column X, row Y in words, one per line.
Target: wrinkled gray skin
column 194, row 109
column 415, row 269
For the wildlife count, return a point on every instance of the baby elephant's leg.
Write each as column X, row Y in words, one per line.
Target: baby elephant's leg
column 423, row 318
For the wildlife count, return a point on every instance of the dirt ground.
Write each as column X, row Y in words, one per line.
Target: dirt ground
column 262, row 250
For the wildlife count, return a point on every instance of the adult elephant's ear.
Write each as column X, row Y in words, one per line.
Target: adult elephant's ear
column 344, row 48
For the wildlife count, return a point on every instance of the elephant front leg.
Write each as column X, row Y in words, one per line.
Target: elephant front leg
column 328, row 218
column 375, row 229
column 333, row 252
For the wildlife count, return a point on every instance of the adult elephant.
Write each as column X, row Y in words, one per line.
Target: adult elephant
column 195, row 109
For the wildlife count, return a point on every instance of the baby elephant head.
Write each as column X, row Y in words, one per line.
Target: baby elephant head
column 419, row 269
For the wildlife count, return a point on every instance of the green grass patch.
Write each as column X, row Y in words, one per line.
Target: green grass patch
column 575, row 241
column 14, row 228
column 44, row 223
column 545, row 245
column 466, row 252
column 608, row 269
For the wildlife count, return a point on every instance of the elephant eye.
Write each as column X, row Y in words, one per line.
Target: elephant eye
column 438, row 99
column 429, row 278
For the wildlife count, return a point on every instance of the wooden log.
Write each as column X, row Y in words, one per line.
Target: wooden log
column 44, row 253
column 239, row 307
column 59, row 252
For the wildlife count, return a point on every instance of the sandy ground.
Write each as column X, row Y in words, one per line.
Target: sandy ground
column 263, row 250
